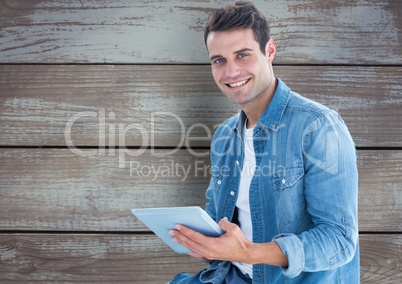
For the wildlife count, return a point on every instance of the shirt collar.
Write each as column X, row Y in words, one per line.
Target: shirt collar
column 272, row 116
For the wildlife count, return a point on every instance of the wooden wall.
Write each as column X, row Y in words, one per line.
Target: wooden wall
column 97, row 96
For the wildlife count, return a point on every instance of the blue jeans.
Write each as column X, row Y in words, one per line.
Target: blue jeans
column 227, row 274
column 235, row 276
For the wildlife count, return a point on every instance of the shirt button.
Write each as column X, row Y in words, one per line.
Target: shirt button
column 237, row 163
column 232, row 193
column 219, row 182
column 283, row 181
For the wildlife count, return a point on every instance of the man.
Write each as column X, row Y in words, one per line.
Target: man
column 284, row 179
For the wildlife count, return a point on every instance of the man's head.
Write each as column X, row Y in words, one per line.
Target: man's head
column 241, row 55
column 242, row 14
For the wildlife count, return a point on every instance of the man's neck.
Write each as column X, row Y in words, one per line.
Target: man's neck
column 255, row 108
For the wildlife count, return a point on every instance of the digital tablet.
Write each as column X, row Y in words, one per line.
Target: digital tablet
column 161, row 220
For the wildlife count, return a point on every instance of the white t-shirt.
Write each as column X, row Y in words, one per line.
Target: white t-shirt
column 243, row 200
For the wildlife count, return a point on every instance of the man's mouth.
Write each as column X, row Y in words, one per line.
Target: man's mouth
column 237, row 84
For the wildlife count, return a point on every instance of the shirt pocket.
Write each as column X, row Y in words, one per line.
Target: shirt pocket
column 290, row 203
column 288, row 176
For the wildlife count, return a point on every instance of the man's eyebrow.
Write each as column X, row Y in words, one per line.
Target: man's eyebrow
column 237, row 51
column 215, row 57
column 243, row 50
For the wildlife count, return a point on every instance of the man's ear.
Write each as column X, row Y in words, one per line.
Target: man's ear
column 270, row 49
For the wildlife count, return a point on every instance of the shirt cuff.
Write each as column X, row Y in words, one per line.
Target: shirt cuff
column 292, row 247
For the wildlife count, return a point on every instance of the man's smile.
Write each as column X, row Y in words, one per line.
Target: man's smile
column 237, row 84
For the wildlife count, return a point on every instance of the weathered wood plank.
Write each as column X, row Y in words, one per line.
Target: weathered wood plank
column 160, row 105
column 144, row 259
column 380, row 258
column 93, row 194
column 89, row 258
column 380, row 191
column 330, row 32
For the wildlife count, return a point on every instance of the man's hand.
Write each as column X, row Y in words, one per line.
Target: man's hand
column 231, row 246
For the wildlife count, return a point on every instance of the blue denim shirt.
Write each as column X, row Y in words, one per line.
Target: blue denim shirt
column 303, row 194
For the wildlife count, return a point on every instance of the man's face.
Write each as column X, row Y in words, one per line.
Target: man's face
column 239, row 68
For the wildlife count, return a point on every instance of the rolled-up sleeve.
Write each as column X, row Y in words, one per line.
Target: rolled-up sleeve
column 292, row 247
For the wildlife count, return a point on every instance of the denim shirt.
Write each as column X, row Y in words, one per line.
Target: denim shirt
column 303, row 194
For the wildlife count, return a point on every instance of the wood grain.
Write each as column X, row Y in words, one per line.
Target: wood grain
column 380, row 194
column 89, row 258
column 93, row 194
column 380, row 259
column 119, row 258
column 312, row 32
column 163, row 105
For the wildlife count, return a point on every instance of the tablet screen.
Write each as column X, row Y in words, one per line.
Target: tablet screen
column 161, row 220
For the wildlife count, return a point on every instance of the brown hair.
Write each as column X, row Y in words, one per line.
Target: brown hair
column 242, row 14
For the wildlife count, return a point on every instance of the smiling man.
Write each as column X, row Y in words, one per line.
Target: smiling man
column 288, row 202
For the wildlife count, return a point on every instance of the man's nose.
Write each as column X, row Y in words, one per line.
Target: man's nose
column 232, row 69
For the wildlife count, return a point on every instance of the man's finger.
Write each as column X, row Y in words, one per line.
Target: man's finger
column 191, row 234
column 225, row 224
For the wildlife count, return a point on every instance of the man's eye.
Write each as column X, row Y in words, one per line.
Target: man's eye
column 219, row 60
column 241, row 55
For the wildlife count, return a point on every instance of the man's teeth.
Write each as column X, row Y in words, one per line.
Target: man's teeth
column 237, row 84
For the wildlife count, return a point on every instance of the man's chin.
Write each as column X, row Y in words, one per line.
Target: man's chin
column 236, row 99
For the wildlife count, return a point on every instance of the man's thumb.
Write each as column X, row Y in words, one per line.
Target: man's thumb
column 224, row 223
